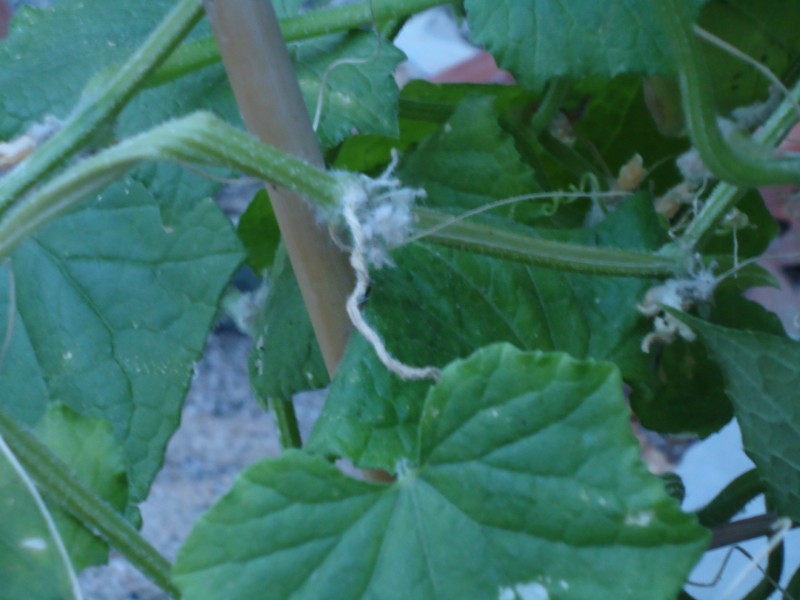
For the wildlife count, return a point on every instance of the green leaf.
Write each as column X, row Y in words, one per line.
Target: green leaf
column 207, row 89
column 617, row 122
column 30, row 565
column 112, row 308
column 285, row 358
column 258, row 230
column 766, row 31
column 424, row 101
column 356, row 71
column 538, row 41
column 177, row 188
column 762, row 381
column 439, row 305
column 360, row 93
column 679, row 391
column 423, row 107
column 684, row 392
column 490, row 505
column 89, row 447
column 471, row 162
column 89, row 35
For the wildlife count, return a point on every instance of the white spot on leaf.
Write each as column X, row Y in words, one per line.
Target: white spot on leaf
column 524, row 591
column 34, row 544
column 640, row 519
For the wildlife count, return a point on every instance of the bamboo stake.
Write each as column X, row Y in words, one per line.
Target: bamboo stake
column 268, row 94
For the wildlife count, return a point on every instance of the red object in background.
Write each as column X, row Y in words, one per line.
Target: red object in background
column 5, row 17
column 480, row 69
column 783, row 257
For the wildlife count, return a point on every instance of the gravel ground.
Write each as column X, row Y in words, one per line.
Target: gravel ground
column 223, row 429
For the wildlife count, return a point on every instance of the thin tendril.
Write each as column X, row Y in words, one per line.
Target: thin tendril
column 323, row 84
column 513, row 200
column 724, row 564
column 762, row 68
column 782, row 526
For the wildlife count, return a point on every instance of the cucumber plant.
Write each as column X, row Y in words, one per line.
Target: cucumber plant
column 512, row 300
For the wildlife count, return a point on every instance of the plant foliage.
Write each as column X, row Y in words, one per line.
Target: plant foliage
column 516, row 474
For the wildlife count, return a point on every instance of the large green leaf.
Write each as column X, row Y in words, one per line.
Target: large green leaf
column 89, row 447
column 423, row 107
column 684, row 392
column 361, row 94
column 112, row 308
column 36, row 80
column 544, row 39
column 492, row 503
column 357, row 72
column 439, row 305
column 763, row 382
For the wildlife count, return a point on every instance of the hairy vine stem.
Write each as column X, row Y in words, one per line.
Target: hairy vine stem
column 698, row 104
column 557, row 92
column 56, row 478
column 206, row 139
column 200, row 137
column 100, row 104
column 697, row 97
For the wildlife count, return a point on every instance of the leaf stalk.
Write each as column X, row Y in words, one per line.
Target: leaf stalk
column 98, row 105
column 61, row 485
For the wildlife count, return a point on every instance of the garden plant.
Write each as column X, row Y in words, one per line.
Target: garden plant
column 493, row 281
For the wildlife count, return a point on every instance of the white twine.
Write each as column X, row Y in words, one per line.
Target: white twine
column 378, row 214
column 781, row 527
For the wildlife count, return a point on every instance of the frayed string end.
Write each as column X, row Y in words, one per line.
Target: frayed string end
column 378, row 213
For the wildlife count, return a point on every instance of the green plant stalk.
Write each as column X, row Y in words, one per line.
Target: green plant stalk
column 484, row 239
column 205, row 139
column 100, row 104
column 725, row 196
column 59, row 482
column 351, row 16
column 774, row 571
column 197, row 54
column 286, row 420
column 557, row 92
column 698, row 106
column 199, row 138
column 792, row 589
column 731, row 500
column 187, row 58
